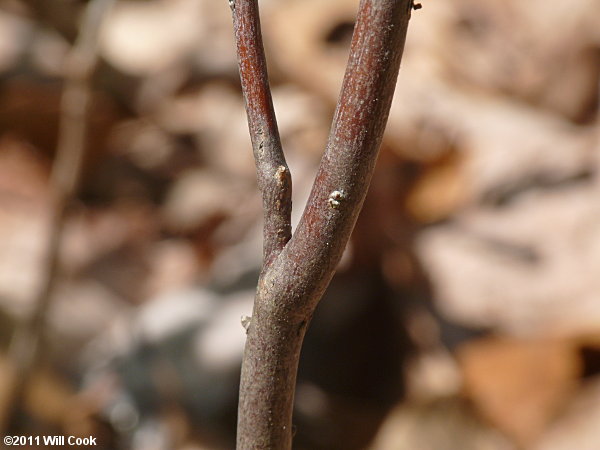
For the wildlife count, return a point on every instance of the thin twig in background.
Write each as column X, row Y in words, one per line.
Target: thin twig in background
column 293, row 281
column 27, row 340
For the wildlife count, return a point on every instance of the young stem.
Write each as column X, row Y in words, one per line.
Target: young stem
column 294, row 279
column 274, row 179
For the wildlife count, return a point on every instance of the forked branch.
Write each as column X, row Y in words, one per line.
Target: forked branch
column 296, row 274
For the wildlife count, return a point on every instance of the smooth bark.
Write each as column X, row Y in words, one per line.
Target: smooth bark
column 297, row 270
column 274, row 180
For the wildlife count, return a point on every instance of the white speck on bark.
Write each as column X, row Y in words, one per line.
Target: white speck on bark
column 246, row 320
column 335, row 199
column 280, row 174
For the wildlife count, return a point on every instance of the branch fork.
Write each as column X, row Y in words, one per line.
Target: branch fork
column 297, row 268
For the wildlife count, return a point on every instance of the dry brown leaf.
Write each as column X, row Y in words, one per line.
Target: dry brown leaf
column 519, row 385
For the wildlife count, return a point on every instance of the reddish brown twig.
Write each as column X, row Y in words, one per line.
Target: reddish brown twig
column 294, row 280
column 274, row 180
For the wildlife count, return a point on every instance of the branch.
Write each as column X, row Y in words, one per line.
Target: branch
column 274, row 179
column 347, row 166
column 292, row 285
column 66, row 171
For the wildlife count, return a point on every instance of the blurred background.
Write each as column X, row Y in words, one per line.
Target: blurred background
column 466, row 309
